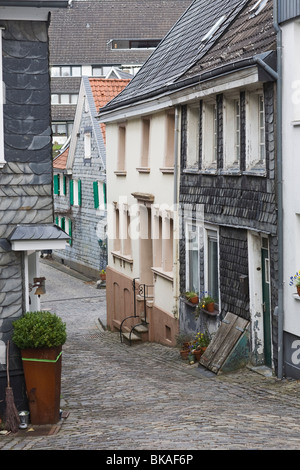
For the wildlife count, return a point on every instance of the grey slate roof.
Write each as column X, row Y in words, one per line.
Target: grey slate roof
column 38, row 232
column 82, row 34
column 182, row 55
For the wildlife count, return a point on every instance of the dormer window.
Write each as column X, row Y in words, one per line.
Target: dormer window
column 214, row 29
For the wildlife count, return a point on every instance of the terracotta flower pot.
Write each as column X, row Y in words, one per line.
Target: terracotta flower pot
column 103, row 277
column 184, row 353
column 42, row 371
column 210, row 307
column 194, row 300
column 298, row 290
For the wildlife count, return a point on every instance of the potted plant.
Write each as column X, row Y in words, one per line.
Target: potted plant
column 192, row 297
column 200, row 344
column 207, row 302
column 295, row 281
column 103, row 275
column 183, row 341
column 40, row 337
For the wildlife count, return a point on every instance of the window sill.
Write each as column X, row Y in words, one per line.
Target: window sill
column 122, row 258
column 165, row 274
column 143, row 170
column 120, row 173
column 167, row 170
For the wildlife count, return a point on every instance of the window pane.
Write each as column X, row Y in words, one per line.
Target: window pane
column 64, row 99
column 213, row 282
column 54, row 99
column 55, row 71
column 193, row 260
column 74, row 99
column 76, row 71
column 65, row 71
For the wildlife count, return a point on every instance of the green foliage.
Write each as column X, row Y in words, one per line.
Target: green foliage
column 39, row 330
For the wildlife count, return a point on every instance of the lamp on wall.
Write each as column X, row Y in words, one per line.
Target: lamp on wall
column 39, row 282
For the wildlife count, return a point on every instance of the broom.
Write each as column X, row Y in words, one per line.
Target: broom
column 12, row 415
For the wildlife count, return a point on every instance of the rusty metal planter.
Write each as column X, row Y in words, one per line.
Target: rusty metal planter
column 42, row 371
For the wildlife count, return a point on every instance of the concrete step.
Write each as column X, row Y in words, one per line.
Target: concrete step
column 134, row 339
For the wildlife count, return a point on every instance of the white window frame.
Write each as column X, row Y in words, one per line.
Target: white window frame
column 255, row 134
column 192, row 226
column 87, row 145
column 232, row 132
column 209, row 136
column 2, row 98
column 193, row 125
column 211, row 232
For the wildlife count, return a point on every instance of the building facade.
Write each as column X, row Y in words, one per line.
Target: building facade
column 80, row 181
column 222, row 96
column 26, row 202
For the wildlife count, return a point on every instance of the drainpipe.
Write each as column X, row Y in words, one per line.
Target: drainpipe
column 175, row 202
column 280, row 192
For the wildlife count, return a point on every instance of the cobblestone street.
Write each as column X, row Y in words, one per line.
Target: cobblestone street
column 146, row 397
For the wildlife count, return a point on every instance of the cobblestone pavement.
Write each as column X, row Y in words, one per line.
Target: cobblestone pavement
column 145, row 397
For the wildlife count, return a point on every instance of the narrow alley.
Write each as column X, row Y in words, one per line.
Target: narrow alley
column 146, row 397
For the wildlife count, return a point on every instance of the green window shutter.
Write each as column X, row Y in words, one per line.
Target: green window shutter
column 79, row 192
column 104, row 194
column 96, row 194
column 63, row 223
column 71, row 192
column 56, row 220
column 65, row 184
column 56, row 184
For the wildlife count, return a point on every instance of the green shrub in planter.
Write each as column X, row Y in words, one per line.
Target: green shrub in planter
column 39, row 330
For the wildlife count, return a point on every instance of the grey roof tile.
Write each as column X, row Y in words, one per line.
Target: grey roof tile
column 182, row 55
column 38, row 232
column 81, row 34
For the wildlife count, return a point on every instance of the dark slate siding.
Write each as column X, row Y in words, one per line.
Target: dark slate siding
column 233, row 264
column 26, row 178
column 235, row 203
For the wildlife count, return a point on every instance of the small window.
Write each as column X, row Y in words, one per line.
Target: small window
column 232, row 132
column 121, row 148
column 75, row 192
column 193, row 123
column 99, row 190
column 255, row 131
column 209, row 136
column 87, row 145
column 169, row 143
column 145, row 142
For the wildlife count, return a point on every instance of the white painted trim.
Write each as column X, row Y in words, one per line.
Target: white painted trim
column 38, row 245
column 244, row 78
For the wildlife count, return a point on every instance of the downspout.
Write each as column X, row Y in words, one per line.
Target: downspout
column 280, row 192
column 176, row 212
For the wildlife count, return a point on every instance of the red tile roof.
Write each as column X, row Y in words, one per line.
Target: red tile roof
column 60, row 162
column 104, row 90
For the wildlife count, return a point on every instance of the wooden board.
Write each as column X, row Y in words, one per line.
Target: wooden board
column 229, row 332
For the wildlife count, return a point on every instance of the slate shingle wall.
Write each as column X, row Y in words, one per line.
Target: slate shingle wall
column 235, row 204
column 26, row 178
column 87, row 226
